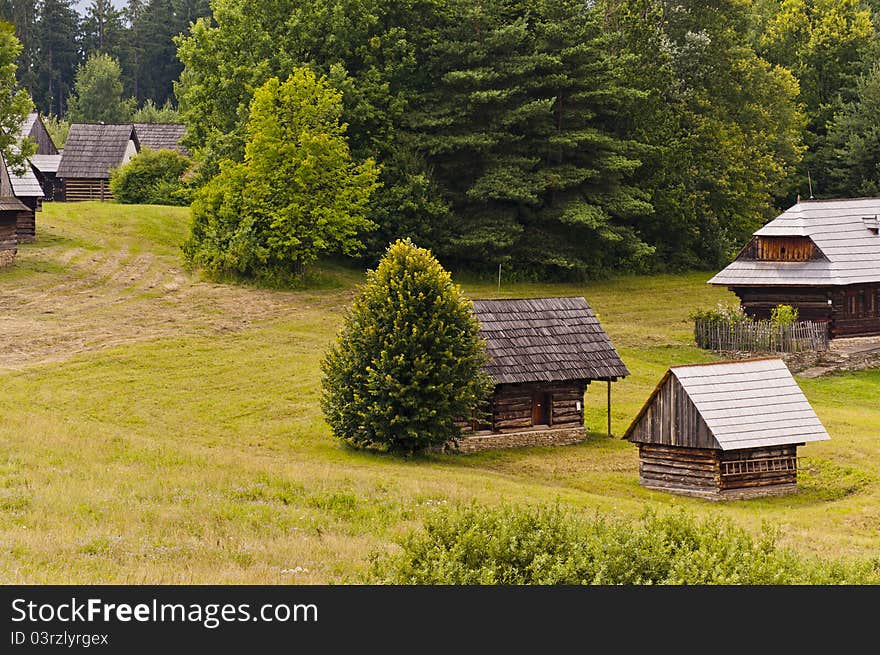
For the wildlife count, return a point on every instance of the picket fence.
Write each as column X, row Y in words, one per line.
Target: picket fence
column 760, row 336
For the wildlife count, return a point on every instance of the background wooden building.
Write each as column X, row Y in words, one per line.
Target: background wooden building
column 544, row 352
column 34, row 128
column 46, row 169
column 26, row 188
column 90, row 153
column 820, row 256
column 724, row 430
column 159, row 136
column 10, row 208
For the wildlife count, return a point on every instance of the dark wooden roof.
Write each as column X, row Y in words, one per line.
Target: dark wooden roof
column 157, row 136
column 92, row 149
column 546, row 340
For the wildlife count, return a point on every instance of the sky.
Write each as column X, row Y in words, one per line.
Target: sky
column 82, row 5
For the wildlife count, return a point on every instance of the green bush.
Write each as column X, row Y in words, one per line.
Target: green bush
column 782, row 315
column 548, row 545
column 722, row 313
column 152, row 177
column 407, row 363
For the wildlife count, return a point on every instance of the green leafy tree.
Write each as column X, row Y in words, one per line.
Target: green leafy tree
column 58, row 129
column 14, row 105
column 153, row 177
column 98, row 96
column 407, row 362
column 150, row 113
column 298, row 192
column 23, row 14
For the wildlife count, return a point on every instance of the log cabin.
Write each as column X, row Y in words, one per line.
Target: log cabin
column 819, row 256
column 726, row 430
column 90, row 153
column 543, row 353
column 10, row 208
column 34, row 128
column 27, row 189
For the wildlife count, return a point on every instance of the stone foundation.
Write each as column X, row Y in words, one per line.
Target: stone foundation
column 7, row 257
column 724, row 494
column 495, row 440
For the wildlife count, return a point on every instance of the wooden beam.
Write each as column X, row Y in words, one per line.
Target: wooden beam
column 609, row 407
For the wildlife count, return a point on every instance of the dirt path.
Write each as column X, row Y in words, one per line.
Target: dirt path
column 103, row 298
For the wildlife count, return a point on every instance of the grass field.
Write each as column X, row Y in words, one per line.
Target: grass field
column 157, row 428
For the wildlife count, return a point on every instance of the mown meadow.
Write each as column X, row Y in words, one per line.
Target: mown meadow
column 160, row 428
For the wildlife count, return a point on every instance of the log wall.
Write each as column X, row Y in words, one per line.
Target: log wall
column 702, row 472
column 856, row 311
column 8, row 238
column 811, row 303
column 86, row 189
column 781, row 249
column 512, row 405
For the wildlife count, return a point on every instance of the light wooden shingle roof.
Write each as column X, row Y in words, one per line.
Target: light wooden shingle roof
column 838, row 228
column 91, row 150
column 546, row 340
column 46, row 163
column 25, row 185
column 747, row 404
column 157, row 136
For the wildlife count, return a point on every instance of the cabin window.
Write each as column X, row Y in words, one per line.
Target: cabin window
column 542, row 404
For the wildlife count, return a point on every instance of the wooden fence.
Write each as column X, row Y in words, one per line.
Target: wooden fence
column 760, row 336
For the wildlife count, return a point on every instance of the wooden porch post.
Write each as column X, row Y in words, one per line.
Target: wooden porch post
column 609, row 407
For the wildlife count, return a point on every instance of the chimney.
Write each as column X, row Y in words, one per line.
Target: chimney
column 872, row 224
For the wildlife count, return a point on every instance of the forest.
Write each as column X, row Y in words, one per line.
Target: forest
column 559, row 139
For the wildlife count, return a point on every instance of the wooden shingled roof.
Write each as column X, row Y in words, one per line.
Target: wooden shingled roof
column 840, row 229
column 740, row 404
column 157, row 136
column 91, row 150
column 546, row 340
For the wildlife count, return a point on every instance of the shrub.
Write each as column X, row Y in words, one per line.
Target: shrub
column 783, row 315
column 722, row 313
column 407, row 361
column 548, row 545
column 152, row 177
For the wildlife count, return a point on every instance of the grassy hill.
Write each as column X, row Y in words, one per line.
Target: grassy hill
column 157, row 428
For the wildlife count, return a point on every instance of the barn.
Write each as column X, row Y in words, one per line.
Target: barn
column 820, row 256
column 46, row 169
column 543, row 353
column 727, row 430
column 162, row 136
column 90, row 153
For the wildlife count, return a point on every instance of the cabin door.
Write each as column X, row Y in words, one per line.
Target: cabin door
column 541, row 404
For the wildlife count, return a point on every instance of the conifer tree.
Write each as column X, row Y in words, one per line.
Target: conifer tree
column 406, row 366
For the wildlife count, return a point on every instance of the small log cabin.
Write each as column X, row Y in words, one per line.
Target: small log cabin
column 10, row 208
column 34, row 128
column 820, row 256
column 26, row 188
column 544, row 352
column 90, row 153
column 727, row 430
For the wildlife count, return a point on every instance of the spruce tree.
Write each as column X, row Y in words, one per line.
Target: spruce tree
column 58, row 56
column 406, row 365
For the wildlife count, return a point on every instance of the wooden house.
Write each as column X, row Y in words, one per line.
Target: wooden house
column 162, row 136
column 10, row 208
column 34, row 128
column 820, row 256
column 46, row 169
column 90, row 153
column 26, row 188
column 726, row 430
column 543, row 352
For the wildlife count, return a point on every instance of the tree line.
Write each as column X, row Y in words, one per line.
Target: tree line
column 563, row 137
column 56, row 41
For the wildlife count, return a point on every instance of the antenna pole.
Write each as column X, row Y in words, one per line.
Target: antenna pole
column 499, row 276
column 810, row 182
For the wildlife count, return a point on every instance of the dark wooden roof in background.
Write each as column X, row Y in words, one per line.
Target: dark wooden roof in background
column 546, row 340
column 156, row 136
column 92, row 149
